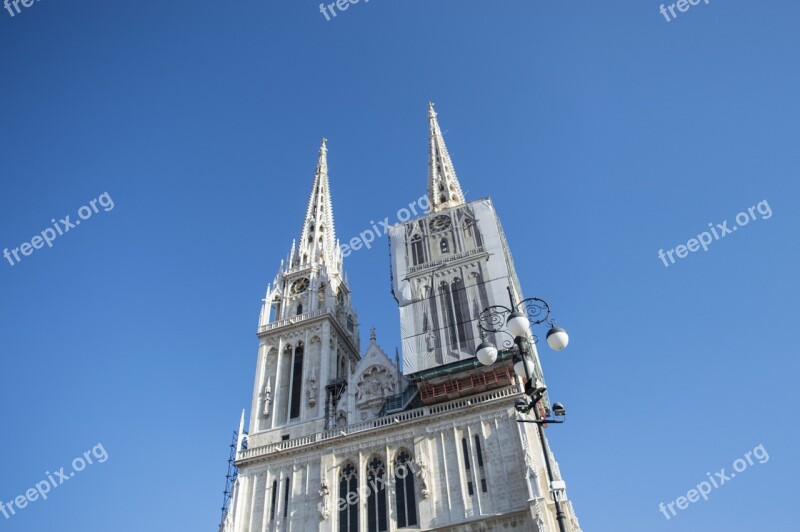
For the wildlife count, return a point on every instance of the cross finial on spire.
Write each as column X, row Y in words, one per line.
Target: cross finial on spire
column 431, row 110
column 322, row 161
column 444, row 190
column 372, row 336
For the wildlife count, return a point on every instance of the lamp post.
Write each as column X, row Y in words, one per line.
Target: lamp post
column 517, row 321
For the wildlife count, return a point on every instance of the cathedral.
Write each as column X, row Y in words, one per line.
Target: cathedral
column 345, row 439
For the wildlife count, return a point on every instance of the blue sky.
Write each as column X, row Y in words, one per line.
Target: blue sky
column 602, row 132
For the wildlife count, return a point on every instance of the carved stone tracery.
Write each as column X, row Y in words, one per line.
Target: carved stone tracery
column 374, row 385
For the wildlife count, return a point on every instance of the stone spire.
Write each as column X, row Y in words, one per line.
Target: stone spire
column 444, row 191
column 318, row 237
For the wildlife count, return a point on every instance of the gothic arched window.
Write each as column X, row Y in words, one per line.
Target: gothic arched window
column 433, row 338
column 444, row 246
column 299, row 308
column 297, row 381
column 468, row 469
column 376, row 500
column 274, row 499
column 348, row 511
column 404, row 486
column 417, row 256
column 286, row 489
column 479, row 454
column 276, row 305
column 282, row 391
column 340, row 365
column 449, row 317
column 468, row 230
column 461, row 308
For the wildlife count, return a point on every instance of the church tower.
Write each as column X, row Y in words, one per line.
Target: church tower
column 308, row 338
column 344, row 441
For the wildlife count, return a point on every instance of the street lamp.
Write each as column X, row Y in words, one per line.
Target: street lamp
column 523, row 366
column 557, row 338
column 487, row 353
column 518, row 323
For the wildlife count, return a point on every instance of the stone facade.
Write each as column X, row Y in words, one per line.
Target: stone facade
column 340, row 441
column 501, row 490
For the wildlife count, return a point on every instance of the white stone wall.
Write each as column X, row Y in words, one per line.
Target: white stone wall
column 514, row 491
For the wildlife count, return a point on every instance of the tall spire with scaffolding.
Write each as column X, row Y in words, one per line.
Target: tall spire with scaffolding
column 444, row 190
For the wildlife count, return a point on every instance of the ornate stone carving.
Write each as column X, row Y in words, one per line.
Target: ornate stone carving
column 430, row 340
column 341, row 418
column 324, row 505
column 312, row 390
column 540, row 524
column 573, row 519
column 422, row 475
column 373, row 386
column 267, row 395
column 375, row 382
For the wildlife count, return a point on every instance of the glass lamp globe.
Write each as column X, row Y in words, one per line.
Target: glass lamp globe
column 521, row 365
column 518, row 324
column 557, row 338
column 486, row 353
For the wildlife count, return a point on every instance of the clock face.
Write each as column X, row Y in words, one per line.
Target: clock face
column 299, row 286
column 440, row 223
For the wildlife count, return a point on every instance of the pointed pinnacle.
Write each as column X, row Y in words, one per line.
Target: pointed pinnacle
column 444, row 190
